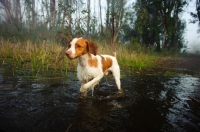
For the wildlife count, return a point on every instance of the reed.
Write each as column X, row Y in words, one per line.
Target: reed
column 43, row 56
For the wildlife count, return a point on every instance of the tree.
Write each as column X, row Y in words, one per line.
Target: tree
column 198, row 8
column 151, row 15
column 88, row 19
column 18, row 13
column 196, row 15
column 149, row 22
column 53, row 13
column 114, row 19
column 100, row 14
column 7, row 7
column 33, row 14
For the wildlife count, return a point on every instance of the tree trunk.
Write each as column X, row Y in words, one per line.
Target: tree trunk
column 47, row 12
column 113, row 25
column 59, row 15
column 43, row 15
column 175, row 23
column 53, row 13
column 63, row 19
column 19, row 11
column 88, row 20
column 33, row 14
column 15, row 10
column 108, row 15
column 101, row 26
column 157, row 42
column 28, row 13
column 164, row 39
column 70, row 16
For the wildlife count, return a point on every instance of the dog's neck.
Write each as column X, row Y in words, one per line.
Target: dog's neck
column 82, row 60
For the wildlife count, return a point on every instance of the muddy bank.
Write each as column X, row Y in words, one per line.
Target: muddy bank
column 172, row 66
column 184, row 63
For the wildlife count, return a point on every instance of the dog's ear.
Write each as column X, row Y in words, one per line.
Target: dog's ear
column 92, row 47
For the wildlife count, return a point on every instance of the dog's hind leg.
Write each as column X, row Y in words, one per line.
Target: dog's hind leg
column 116, row 74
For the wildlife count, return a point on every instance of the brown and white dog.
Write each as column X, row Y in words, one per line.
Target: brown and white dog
column 92, row 67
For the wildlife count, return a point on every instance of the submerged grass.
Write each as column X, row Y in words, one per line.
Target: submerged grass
column 41, row 57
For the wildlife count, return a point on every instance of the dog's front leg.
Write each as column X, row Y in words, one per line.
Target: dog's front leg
column 82, row 89
column 90, row 84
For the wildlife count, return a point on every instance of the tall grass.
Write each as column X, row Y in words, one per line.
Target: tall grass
column 129, row 57
column 43, row 56
column 37, row 57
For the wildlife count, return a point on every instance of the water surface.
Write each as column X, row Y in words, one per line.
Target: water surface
column 147, row 103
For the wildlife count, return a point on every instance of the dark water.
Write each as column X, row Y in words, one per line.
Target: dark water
column 147, row 103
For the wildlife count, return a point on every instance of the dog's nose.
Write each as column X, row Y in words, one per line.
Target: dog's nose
column 68, row 52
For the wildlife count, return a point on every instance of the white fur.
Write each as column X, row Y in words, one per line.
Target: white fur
column 72, row 49
column 90, row 76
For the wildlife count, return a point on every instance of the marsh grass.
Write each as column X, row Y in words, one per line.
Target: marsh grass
column 37, row 57
column 129, row 58
column 43, row 57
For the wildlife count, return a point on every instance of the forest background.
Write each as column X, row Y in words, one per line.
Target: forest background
column 35, row 30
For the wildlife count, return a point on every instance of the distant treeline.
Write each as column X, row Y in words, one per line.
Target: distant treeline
column 147, row 22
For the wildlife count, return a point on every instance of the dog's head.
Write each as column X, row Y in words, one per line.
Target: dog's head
column 80, row 46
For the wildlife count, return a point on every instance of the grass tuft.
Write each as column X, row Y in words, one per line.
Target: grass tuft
column 43, row 56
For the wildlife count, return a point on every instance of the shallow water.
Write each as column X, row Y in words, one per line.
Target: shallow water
column 147, row 103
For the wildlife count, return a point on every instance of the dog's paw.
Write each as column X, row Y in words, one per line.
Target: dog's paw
column 82, row 90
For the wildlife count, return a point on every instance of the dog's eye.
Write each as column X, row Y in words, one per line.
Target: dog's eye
column 78, row 46
column 69, row 45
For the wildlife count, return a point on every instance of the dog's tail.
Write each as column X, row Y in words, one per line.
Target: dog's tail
column 114, row 54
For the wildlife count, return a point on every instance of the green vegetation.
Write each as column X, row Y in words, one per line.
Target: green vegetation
column 147, row 23
column 34, row 37
column 43, row 56
column 37, row 57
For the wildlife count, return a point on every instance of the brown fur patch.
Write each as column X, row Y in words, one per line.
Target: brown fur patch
column 83, row 46
column 93, row 62
column 92, row 47
column 106, row 63
column 80, row 47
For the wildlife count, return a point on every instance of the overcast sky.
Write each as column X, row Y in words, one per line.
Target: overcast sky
column 191, row 34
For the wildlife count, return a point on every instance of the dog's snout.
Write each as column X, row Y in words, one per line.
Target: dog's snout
column 69, row 52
